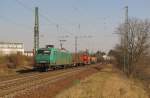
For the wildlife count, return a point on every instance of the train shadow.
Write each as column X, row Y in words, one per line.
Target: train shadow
column 22, row 71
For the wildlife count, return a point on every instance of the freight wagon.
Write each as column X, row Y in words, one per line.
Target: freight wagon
column 85, row 58
column 93, row 60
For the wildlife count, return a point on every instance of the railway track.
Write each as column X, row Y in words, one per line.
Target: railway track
column 14, row 78
column 13, row 82
column 10, row 88
column 17, row 76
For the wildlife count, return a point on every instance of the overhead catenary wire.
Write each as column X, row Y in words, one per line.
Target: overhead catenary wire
column 43, row 16
column 24, row 26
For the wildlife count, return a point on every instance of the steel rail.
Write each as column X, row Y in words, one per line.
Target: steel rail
column 34, row 84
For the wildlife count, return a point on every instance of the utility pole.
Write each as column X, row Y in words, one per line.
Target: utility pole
column 76, row 44
column 61, row 43
column 57, row 26
column 76, row 38
column 126, row 55
column 36, row 30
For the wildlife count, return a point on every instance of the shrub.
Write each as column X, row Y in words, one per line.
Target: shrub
column 15, row 60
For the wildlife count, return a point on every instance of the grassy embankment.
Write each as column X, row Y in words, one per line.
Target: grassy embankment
column 108, row 83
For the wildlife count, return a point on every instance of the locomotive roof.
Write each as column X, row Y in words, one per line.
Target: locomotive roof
column 52, row 48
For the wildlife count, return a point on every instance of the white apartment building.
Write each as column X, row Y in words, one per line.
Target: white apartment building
column 7, row 48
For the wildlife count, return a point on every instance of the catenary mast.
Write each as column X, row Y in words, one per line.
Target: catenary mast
column 36, row 30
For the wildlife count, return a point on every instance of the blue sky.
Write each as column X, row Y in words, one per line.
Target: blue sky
column 97, row 18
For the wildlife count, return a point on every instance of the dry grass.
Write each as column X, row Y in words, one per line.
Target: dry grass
column 9, row 64
column 105, row 84
column 144, row 76
column 15, row 60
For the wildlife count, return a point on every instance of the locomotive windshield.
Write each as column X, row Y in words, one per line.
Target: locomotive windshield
column 43, row 52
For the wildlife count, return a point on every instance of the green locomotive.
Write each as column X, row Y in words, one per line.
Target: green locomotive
column 51, row 57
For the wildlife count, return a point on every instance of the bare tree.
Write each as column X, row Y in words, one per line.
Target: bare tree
column 134, row 43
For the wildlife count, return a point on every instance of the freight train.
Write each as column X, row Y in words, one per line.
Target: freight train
column 52, row 58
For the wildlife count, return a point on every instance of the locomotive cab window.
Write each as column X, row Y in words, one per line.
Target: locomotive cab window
column 43, row 52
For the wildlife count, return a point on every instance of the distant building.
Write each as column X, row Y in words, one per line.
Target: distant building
column 106, row 57
column 7, row 48
column 28, row 53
